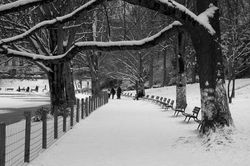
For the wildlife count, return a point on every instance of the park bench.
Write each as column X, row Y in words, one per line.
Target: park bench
column 163, row 101
column 9, row 89
column 151, row 98
column 199, row 122
column 125, row 94
column 160, row 100
column 156, row 99
column 194, row 114
column 35, row 90
column 181, row 109
column 169, row 105
column 146, row 97
column 22, row 89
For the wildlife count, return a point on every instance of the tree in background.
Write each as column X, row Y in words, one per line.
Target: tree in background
column 206, row 41
column 235, row 41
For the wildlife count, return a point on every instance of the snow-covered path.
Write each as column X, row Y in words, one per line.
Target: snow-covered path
column 134, row 133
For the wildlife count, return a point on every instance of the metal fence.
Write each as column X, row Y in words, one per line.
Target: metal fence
column 23, row 141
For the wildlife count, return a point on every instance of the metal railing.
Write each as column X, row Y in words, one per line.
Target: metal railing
column 22, row 142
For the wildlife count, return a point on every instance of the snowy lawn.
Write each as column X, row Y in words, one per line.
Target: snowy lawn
column 138, row 133
column 12, row 106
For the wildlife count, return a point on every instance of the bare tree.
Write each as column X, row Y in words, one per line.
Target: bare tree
column 235, row 41
column 206, row 41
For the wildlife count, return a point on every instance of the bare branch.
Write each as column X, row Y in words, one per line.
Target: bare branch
column 58, row 20
column 20, row 5
column 103, row 46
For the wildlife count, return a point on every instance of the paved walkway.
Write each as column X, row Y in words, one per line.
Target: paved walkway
column 122, row 133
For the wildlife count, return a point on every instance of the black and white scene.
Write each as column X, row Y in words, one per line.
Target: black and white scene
column 124, row 82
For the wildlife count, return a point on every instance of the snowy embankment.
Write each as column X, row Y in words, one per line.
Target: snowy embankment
column 138, row 133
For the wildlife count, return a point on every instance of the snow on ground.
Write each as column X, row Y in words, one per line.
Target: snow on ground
column 138, row 133
column 22, row 101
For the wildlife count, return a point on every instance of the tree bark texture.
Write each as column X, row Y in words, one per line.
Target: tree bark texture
column 151, row 71
column 57, row 86
column 69, row 84
column 181, row 98
column 214, row 104
column 164, row 54
column 61, row 78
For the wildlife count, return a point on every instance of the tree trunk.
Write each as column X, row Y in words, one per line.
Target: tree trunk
column 69, row 84
column 60, row 79
column 181, row 98
column 95, row 86
column 164, row 82
column 151, row 71
column 214, row 105
column 57, row 86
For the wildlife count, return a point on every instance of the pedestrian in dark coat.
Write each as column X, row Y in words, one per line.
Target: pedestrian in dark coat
column 112, row 91
column 118, row 93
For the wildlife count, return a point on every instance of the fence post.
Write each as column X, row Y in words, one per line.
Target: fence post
column 64, row 119
column 102, row 99
column 44, row 121
column 55, row 122
column 89, row 110
column 77, row 110
column 2, row 143
column 27, row 136
column 72, row 116
column 94, row 104
column 86, row 107
column 107, row 99
column 82, row 108
column 97, row 98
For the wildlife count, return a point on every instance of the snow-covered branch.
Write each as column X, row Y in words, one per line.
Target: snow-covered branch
column 124, row 45
column 20, row 5
column 179, row 12
column 103, row 46
column 62, row 19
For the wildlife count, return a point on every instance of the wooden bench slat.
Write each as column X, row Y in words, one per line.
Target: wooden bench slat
column 194, row 114
column 181, row 109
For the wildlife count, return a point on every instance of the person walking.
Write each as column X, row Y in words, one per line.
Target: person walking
column 118, row 92
column 112, row 91
column 109, row 93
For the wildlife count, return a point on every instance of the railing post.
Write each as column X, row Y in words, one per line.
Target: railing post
column 64, row 120
column 102, row 99
column 98, row 101
column 27, row 136
column 77, row 110
column 55, row 122
column 89, row 110
column 2, row 143
column 72, row 115
column 44, row 132
column 94, row 103
column 82, row 108
column 107, row 97
column 86, row 107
